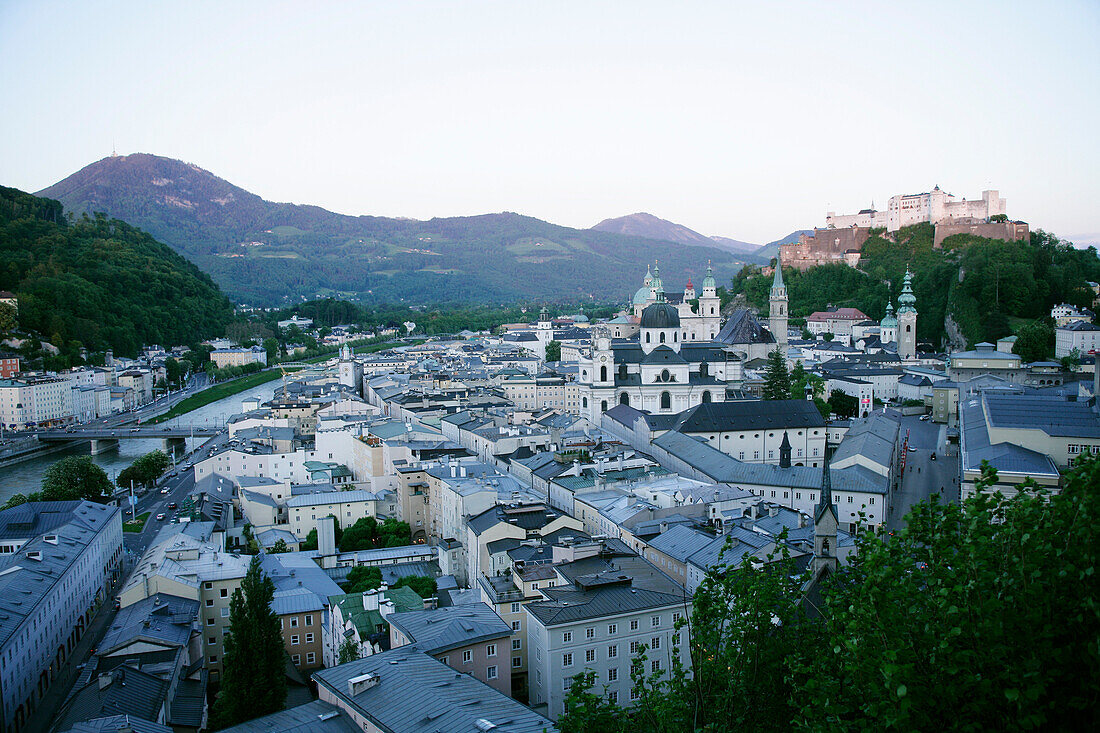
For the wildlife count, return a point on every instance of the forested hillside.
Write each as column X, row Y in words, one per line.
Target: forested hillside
column 100, row 283
column 988, row 286
column 268, row 253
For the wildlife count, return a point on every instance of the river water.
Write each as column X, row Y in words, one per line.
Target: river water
column 25, row 477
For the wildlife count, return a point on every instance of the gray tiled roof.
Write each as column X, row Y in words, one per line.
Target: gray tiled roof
column 441, row 629
column 720, row 467
column 130, row 692
column 681, row 541
column 314, row 716
column 418, row 694
column 716, row 417
column 159, row 618
column 115, row 723
column 1054, row 416
column 571, row 604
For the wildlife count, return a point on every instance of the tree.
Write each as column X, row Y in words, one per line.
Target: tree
column 279, row 547
column 363, row 578
column 145, row 470
column 423, row 585
column 800, row 379
column 17, row 499
column 777, row 381
column 844, row 405
column 1071, row 361
column 76, row 477
column 271, row 346
column 553, row 351
column 349, row 652
column 976, row 615
column 367, row 534
column 8, row 320
column 827, row 336
column 172, row 370
column 253, row 679
column 1034, row 341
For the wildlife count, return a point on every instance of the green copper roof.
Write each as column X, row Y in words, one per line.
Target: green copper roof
column 907, row 301
column 708, row 281
column 889, row 321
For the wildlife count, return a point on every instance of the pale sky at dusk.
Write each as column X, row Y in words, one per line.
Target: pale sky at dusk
column 746, row 120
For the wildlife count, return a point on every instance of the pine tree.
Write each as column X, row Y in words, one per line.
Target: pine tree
column 253, row 681
column 777, row 380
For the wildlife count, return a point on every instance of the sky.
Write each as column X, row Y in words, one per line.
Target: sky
column 745, row 120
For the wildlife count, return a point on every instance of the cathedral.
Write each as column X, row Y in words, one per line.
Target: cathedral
column 700, row 325
column 681, row 357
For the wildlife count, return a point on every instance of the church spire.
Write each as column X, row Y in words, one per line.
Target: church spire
column 777, row 281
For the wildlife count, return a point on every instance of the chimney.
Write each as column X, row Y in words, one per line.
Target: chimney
column 370, row 600
column 773, row 510
column 362, row 683
column 326, row 536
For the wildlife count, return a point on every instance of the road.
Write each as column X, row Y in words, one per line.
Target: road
column 134, row 543
column 924, row 476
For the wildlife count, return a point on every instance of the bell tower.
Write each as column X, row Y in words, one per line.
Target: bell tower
column 777, row 309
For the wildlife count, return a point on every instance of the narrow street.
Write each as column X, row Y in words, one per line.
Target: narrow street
column 923, row 475
column 134, row 544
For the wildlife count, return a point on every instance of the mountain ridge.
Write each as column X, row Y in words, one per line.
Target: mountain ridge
column 270, row 253
column 644, row 224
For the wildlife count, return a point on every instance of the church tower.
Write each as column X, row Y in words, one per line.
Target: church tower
column 888, row 326
column 907, row 320
column 710, row 308
column 825, row 525
column 777, row 310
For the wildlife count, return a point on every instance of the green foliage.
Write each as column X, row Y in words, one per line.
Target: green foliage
column 423, row 585
column 1071, row 361
column 311, row 536
column 253, row 680
column 145, row 470
column 363, row 578
column 844, row 405
column 999, row 280
column 8, row 319
column 74, row 477
column 279, row 547
column 553, row 351
column 1034, row 341
column 777, row 380
column 16, row 500
column 978, row 615
column 367, row 534
column 348, row 652
column 800, row 378
column 99, row 282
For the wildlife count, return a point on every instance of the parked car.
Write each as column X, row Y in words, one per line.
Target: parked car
column 925, row 417
column 172, row 505
column 933, row 456
column 912, row 449
column 164, row 490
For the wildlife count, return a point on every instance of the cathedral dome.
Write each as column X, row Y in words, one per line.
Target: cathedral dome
column 642, row 295
column 660, row 315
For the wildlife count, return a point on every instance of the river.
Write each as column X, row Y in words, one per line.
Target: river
column 25, row 477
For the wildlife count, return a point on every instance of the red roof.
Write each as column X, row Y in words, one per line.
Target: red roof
column 840, row 314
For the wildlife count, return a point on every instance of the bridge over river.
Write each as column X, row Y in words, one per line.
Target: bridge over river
column 106, row 437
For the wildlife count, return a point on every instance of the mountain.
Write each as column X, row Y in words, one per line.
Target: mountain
column 101, row 283
column 736, row 246
column 268, row 253
column 652, row 227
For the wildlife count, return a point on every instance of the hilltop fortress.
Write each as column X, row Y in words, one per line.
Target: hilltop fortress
column 843, row 236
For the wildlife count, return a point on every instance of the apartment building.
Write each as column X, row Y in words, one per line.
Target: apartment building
column 469, row 638
column 58, row 560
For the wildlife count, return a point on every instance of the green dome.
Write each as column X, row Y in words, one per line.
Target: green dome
column 641, row 296
column 708, row 281
column 889, row 321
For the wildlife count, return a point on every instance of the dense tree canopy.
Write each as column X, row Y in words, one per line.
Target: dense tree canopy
column 145, row 469
column 983, row 284
column 99, row 282
column 978, row 615
column 367, row 533
column 74, row 477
